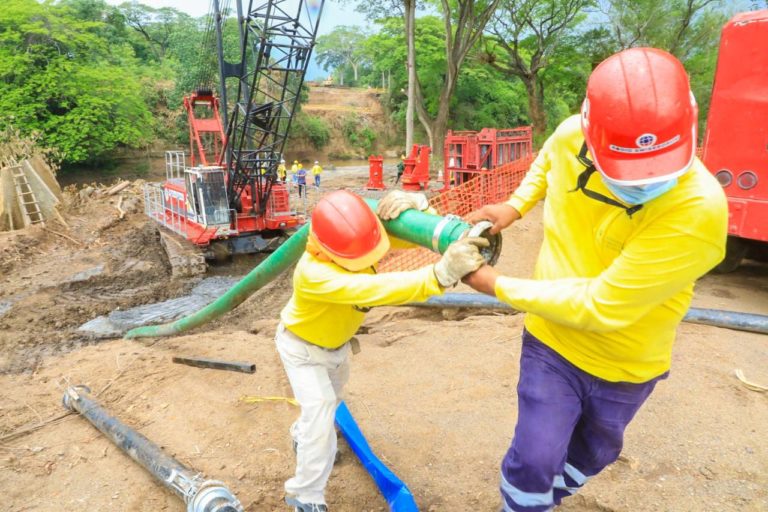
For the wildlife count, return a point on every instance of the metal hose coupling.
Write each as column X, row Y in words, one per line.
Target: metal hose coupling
column 451, row 228
column 213, row 496
column 200, row 495
column 483, row 229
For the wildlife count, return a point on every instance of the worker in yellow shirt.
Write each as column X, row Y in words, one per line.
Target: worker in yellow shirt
column 334, row 284
column 316, row 170
column 281, row 171
column 631, row 220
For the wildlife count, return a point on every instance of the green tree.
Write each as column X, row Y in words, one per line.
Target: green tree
column 463, row 23
column 405, row 9
column 678, row 26
column 59, row 77
column 689, row 29
column 341, row 48
column 484, row 97
column 156, row 27
column 312, row 128
column 525, row 34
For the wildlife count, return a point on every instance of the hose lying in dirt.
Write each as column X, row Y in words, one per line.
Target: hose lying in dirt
column 398, row 495
column 431, row 231
column 199, row 495
column 715, row 317
column 729, row 319
column 285, row 256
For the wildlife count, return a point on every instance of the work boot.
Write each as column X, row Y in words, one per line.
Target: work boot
column 305, row 507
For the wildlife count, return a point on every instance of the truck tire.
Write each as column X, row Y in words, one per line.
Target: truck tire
column 735, row 250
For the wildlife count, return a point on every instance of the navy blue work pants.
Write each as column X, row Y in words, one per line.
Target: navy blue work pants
column 570, row 425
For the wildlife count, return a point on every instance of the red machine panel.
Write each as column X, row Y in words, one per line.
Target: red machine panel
column 206, row 134
column 736, row 140
column 416, row 172
column 375, row 173
column 468, row 153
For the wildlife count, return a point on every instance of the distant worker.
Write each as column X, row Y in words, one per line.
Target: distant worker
column 631, row 219
column 449, row 180
column 295, row 167
column 400, row 168
column 335, row 283
column 316, row 170
column 301, row 179
column 282, row 174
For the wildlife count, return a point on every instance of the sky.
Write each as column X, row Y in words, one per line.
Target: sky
column 334, row 14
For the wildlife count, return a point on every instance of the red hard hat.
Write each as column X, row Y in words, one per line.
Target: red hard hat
column 348, row 231
column 639, row 117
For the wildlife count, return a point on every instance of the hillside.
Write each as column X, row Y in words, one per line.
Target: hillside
column 347, row 112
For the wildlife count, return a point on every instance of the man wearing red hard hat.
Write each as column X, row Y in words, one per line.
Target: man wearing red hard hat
column 631, row 220
column 335, row 283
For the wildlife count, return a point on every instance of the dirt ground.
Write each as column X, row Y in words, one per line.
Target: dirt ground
column 432, row 391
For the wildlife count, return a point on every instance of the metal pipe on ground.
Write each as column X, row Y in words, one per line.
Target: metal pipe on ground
column 715, row 317
column 215, row 364
column 431, row 231
column 198, row 494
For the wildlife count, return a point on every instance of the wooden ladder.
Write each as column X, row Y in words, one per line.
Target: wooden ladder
column 30, row 208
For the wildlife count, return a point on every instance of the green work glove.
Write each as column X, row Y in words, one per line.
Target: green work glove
column 461, row 258
column 397, row 201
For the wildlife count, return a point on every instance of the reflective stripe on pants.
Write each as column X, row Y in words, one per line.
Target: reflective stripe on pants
column 570, row 425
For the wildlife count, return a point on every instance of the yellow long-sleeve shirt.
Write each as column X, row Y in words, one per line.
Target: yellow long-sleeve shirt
column 609, row 291
column 324, row 307
column 316, row 169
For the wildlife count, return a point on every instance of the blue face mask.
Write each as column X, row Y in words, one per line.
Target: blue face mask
column 640, row 194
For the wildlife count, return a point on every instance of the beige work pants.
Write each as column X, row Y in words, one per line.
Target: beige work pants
column 317, row 377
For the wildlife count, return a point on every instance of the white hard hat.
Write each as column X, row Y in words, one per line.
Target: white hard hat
column 316, row 161
column 282, row 161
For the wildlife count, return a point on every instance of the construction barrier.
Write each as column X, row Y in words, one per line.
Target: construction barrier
column 375, row 173
column 483, row 187
column 489, row 149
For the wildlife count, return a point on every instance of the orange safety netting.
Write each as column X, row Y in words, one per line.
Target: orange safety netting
column 483, row 187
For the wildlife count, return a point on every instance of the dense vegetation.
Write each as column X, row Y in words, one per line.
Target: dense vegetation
column 89, row 78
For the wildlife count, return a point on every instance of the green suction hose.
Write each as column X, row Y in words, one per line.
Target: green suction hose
column 285, row 256
column 424, row 229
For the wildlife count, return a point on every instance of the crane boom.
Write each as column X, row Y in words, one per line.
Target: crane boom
column 237, row 205
column 276, row 42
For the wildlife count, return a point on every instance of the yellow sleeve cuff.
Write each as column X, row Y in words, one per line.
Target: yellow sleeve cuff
column 520, row 205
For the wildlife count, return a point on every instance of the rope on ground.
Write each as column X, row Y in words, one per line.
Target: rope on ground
column 749, row 385
column 259, row 399
column 28, row 430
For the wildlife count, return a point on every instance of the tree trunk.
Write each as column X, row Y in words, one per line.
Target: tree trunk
column 439, row 129
column 410, row 21
column 440, row 124
column 536, row 106
column 354, row 70
column 341, row 76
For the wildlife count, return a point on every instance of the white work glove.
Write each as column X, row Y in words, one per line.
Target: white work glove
column 397, row 201
column 461, row 258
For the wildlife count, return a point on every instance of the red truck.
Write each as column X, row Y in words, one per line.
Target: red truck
column 735, row 146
